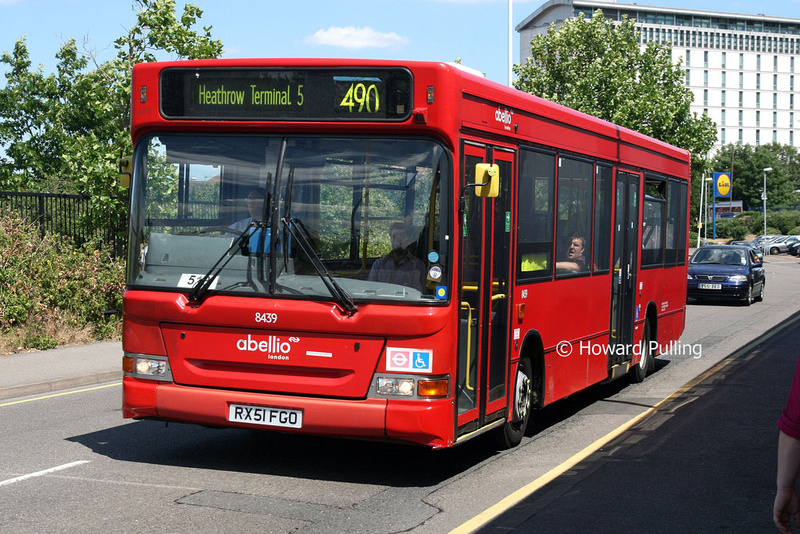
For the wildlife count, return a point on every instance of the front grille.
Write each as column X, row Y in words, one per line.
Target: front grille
column 711, row 278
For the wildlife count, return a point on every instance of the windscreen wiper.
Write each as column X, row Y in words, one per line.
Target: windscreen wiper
column 303, row 240
column 202, row 285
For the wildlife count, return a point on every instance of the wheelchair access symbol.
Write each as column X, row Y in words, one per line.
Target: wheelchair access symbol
column 409, row 360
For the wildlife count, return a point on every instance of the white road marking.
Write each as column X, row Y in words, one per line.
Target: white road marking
column 41, row 473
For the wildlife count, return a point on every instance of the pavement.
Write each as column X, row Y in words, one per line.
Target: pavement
column 35, row 373
column 705, row 461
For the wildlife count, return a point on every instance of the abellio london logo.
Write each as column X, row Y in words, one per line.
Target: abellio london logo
column 504, row 116
column 274, row 346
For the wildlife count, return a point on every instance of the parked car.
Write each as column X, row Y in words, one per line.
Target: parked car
column 726, row 272
column 794, row 248
column 760, row 240
column 780, row 244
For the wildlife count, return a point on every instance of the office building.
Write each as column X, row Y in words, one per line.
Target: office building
column 741, row 68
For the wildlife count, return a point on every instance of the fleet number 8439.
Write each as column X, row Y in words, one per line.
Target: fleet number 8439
column 269, row 318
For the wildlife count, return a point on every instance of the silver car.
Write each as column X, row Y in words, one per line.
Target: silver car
column 780, row 245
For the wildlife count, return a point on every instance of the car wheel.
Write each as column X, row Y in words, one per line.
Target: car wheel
column 748, row 300
column 760, row 296
column 512, row 431
column 638, row 372
column 774, row 250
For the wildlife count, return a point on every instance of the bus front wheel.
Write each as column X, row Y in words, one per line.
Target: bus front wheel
column 512, row 432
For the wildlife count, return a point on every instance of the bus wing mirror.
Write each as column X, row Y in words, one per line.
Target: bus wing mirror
column 125, row 165
column 487, row 180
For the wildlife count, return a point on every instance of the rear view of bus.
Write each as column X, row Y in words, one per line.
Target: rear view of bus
column 259, row 213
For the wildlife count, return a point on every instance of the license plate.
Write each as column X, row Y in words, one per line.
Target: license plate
column 709, row 286
column 267, row 416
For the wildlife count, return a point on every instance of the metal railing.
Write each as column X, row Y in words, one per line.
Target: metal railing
column 68, row 215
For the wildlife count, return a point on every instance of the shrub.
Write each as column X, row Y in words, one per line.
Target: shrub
column 783, row 220
column 731, row 229
column 52, row 292
column 752, row 220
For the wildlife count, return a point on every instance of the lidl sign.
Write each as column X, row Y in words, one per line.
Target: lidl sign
column 722, row 185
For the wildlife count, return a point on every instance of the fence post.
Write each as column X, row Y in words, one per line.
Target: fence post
column 41, row 214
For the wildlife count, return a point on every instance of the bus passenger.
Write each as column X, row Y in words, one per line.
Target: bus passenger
column 575, row 255
column 400, row 266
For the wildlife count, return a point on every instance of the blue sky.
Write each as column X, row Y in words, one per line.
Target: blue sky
column 439, row 30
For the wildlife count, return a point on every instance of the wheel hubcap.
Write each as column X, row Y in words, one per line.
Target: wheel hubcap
column 523, row 397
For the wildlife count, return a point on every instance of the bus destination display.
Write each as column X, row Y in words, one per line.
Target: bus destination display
column 286, row 94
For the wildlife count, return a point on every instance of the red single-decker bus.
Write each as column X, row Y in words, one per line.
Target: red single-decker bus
column 387, row 250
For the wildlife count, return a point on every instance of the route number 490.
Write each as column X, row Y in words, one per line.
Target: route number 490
column 269, row 318
column 363, row 96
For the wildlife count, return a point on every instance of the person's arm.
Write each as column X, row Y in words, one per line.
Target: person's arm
column 787, row 500
column 576, row 266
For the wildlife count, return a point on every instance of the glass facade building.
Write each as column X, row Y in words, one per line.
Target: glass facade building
column 741, row 68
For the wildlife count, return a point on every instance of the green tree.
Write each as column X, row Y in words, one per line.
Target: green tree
column 599, row 68
column 746, row 164
column 64, row 131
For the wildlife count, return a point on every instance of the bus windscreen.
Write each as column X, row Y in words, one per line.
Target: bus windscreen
column 286, row 94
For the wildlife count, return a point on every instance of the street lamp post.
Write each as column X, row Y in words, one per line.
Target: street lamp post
column 764, row 198
column 703, row 215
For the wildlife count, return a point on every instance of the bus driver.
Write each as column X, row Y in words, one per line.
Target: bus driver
column 400, row 266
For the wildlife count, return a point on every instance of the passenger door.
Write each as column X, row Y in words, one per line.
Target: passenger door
column 484, row 293
column 623, row 285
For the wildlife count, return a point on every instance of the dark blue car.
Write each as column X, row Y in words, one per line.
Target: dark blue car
column 726, row 272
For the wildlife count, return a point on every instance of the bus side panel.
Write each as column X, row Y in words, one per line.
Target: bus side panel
column 640, row 151
column 551, row 125
column 565, row 317
column 666, row 288
column 597, row 369
column 670, row 327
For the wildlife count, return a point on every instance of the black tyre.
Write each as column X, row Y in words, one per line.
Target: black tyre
column 512, row 432
column 760, row 296
column 748, row 300
column 638, row 372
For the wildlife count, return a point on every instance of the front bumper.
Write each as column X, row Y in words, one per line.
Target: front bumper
column 428, row 423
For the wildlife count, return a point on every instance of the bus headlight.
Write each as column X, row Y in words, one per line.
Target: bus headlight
column 417, row 387
column 146, row 366
column 388, row 385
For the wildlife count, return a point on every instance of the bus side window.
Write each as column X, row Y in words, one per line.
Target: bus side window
column 536, row 211
column 653, row 225
column 574, row 213
column 602, row 219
